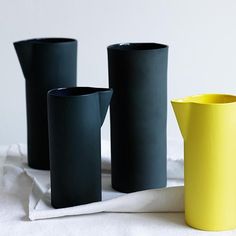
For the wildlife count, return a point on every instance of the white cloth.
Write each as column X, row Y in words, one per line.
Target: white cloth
column 14, row 208
column 3, row 154
column 155, row 200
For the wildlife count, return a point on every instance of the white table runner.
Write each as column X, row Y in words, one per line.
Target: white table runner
column 156, row 200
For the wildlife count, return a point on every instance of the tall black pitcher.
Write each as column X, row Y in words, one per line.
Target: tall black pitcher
column 138, row 76
column 75, row 117
column 46, row 63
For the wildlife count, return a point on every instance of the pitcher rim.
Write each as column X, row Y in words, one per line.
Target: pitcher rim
column 187, row 99
column 137, row 46
column 48, row 40
column 92, row 90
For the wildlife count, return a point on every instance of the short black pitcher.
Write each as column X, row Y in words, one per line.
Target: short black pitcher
column 46, row 63
column 75, row 117
column 138, row 76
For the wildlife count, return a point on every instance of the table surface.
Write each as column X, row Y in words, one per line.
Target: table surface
column 14, row 220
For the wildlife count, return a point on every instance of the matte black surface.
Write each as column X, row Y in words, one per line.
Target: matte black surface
column 75, row 116
column 138, row 76
column 46, row 63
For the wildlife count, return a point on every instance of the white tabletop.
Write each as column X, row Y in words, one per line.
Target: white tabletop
column 14, row 219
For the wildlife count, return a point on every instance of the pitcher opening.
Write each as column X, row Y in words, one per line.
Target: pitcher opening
column 46, row 40
column 76, row 91
column 137, row 46
column 208, row 99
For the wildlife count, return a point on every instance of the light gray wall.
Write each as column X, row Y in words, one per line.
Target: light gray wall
column 201, row 35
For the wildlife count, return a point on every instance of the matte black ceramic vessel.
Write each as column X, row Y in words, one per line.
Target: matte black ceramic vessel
column 138, row 76
column 75, row 117
column 47, row 63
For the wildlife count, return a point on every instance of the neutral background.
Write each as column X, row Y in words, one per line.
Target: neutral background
column 201, row 36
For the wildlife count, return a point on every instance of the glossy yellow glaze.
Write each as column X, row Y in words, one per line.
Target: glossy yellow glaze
column 208, row 126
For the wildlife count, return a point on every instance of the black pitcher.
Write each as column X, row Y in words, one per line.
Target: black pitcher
column 138, row 76
column 46, row 63
column 75, row 117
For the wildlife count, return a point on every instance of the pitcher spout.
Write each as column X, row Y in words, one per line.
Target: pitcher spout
column 104, row 100
column 24, row 54
column 181, row 109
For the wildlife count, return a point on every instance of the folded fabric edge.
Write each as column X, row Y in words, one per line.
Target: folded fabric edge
column 164, row 200
column 4, row 150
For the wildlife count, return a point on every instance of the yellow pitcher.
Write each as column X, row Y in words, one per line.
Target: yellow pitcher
column 208, row 125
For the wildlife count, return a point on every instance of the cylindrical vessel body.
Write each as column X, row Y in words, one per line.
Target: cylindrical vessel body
column 51, row 63
column 138, row 77
column 208, row 126
column 74, row 117
column 210, row 160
